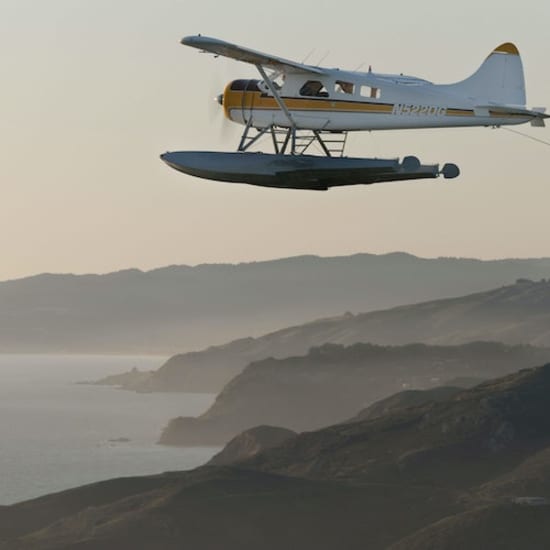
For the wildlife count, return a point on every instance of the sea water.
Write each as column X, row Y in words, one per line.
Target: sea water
column 56, row 433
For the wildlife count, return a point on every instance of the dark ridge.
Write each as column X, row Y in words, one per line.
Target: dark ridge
column 405, row 400
column 251, row 442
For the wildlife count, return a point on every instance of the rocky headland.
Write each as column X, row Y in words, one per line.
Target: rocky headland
column 332, row 383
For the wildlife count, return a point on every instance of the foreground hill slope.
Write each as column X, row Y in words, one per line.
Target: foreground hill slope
column 414, row 478
column 183, row 308
column 235, row 510
column 405, row 400
column 331, row 383
column 514, row 314
column 498, row 423
column 505, row 526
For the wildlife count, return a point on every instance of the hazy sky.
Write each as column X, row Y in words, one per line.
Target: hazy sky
column 92, row 91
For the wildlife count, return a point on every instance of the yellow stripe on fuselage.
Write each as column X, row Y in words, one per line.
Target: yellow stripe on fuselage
column 460, row 112
column 257, row 100
column 253, row 100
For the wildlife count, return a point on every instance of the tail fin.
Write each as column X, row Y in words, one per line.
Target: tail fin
column 499, row 79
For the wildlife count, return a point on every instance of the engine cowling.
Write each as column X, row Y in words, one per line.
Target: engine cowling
column 238, row 96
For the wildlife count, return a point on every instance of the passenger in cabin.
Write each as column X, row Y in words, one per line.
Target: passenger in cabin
column 344, row 87
column 347, row 87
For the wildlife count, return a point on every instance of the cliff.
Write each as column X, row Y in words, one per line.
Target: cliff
column 331, row 383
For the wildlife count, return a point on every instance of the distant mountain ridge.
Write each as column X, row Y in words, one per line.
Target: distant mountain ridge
column 181, row 308
column 514, row 314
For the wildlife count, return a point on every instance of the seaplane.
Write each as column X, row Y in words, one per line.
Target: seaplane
column 305, row 113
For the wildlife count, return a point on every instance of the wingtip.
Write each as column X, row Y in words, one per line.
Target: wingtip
column 187, row 40
column 193, row 39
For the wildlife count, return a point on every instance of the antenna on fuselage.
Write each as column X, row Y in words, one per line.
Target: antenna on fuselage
column 308, row 56
column 323, row 58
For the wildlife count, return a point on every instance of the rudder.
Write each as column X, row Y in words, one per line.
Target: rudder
column 500, row 79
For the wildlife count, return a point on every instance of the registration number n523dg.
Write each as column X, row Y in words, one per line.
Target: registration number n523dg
column 418, row 110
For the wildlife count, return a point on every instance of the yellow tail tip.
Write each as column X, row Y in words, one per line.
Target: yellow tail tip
column 507, row 47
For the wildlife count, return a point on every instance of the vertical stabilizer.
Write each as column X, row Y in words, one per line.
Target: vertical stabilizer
column 499, row 80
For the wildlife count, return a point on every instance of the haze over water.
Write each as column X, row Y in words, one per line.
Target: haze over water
column 54, row 433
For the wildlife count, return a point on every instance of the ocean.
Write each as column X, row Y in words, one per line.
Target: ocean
column 56, row 434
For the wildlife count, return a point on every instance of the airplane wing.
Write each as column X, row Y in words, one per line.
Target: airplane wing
column 226, row 49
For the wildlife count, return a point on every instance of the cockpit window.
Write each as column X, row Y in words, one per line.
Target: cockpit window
column 344, row 87
column 314, row 88
column 246, row 85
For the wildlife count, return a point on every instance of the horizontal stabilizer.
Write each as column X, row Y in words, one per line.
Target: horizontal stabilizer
column 539, row 121
column 537, row 115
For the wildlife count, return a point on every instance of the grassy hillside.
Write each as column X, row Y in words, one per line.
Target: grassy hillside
column 413, row 478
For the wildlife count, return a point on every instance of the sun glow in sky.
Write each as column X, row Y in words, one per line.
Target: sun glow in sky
column 93, row 91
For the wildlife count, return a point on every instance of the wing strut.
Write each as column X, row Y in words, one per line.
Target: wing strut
column 281, row 104
column 247, row 142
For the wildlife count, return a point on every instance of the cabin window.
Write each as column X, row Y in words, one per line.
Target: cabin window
column 314, row 88
column 278, row 81
column 343, row 87
column 370, row 92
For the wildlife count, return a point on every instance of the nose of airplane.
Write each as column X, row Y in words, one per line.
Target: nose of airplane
column 219, row 99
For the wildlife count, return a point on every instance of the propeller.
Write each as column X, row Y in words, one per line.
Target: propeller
column 216, row 115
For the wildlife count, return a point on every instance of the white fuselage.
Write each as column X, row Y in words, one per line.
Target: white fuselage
column 354, row 101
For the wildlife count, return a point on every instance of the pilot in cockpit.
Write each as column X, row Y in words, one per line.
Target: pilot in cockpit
column 313, row 88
